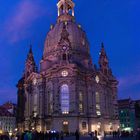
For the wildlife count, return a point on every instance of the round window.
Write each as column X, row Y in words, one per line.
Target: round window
column 64, row 73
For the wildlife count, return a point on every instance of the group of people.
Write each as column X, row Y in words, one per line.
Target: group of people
column 34, row 135
column 94, row 135
column 51, row 135
column 54, row 135
column 4, row 136
column 124, row 134
column 29, row 135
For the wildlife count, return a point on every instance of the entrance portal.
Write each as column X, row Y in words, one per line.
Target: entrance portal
column 65, row 126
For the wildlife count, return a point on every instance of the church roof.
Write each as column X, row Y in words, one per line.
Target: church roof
column 77, row 36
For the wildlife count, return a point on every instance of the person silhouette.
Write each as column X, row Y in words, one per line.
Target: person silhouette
column 77, row 135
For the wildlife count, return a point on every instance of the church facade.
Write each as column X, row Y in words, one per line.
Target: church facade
column 68, row 92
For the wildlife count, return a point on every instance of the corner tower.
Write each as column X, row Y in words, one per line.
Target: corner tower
column 103, row 61
column 30, row 65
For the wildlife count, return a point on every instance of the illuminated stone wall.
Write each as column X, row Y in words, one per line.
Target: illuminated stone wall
column 90, row 101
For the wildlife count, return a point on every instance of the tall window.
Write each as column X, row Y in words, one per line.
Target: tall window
column 35, row 99
column 50, row 105
column 98, row 108
column 97, row 97
column 65, row 99
column 80, row 102
column 35, row 104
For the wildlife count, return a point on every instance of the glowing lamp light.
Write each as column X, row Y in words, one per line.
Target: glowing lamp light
column 65, row 112
column 65, row 123
column 10, row 133
column 1, row 132
column 53, row 131
column 118, row 126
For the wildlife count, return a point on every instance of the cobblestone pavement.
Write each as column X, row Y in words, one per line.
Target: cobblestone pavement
column 108, row 138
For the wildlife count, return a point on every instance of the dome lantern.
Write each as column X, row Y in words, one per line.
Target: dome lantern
column 65, row 9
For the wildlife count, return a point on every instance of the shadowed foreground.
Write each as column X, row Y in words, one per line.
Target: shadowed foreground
column 107, row 138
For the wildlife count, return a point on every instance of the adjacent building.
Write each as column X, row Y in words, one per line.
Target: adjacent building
column 7, row 121
column 129, row 114
column 137, row 113
column 126, row 114
column 10, row 107
column 67, row 92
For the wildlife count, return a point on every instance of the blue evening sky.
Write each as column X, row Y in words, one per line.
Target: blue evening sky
column 114, row 22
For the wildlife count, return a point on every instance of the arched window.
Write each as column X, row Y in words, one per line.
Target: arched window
column 97, row 97
column 65, row 99
column 35, row 103
column 98, row 107
column 81, row 109
column 50, row 105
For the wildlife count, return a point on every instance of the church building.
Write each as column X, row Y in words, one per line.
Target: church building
column 68, row 92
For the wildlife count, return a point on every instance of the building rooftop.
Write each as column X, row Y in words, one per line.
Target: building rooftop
column 5, row 112
column 8, row 105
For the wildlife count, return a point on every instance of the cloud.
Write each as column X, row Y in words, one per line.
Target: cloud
column 17, row 25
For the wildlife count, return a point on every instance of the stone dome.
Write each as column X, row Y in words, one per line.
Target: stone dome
column 66, row 42
column 77, row 37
